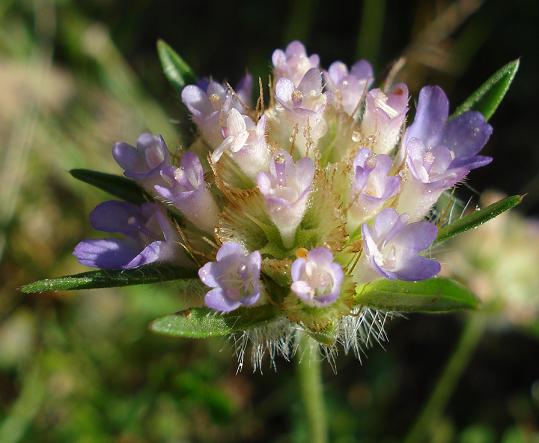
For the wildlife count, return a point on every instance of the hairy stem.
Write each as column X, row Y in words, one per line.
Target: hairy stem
column 310, row 384
column 436, row 403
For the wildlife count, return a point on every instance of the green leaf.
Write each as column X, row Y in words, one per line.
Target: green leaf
column 491, row 93
column 108, row 279
column 433, row 295
column 477, row 218
column 205, row 323
column 115, row 185
column 175, row 69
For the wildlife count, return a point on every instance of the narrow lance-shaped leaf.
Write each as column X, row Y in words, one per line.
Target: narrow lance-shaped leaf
column 477, row 218
column 112, row 278
column 115, row 185
column 174, row 67
column 433, row 295
column 491, row 93
column 204, row 323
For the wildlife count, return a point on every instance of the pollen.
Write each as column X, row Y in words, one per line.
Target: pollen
column 214, row 99
column 301, row 253
column 297, row 95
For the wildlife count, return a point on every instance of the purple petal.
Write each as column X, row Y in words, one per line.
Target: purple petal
column 338, row 276
column 477, row 161
column 321, row 255
column 106, row 253
column 418, row 268
column 254, row 261
column 386, row 221
column 215, row 88
column 229, row 248
column 304, row 172
column 152, row 253
column 295, row 48
column 297, row 268
column 398, row 98
column 190, row 162
column 416, row 236
column 251, row 300
column 362, row 69
column 126, row 156
column 196, row 101
column 302, row 289
column 244, row 89
column 146, row 161
column 166, row 228
column 431, row 115
column 163, row 191
column 337, row 71
column 263, row 182
column 284, row 90
column 216, row 299
column 207, row 274
column 312, row 81
column 278, row 58
column 314, row 60
column 117, row 216
column 361, row 157
column 466, row 134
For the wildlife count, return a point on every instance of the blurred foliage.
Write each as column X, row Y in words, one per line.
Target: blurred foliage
column 75, row 77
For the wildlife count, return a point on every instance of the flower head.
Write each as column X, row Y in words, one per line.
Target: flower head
column 286, row 189
column 185, row 188
column 234, row 277
column 384, row 117
column 345, row 89
column 317, row 279
column 293, row 63
column 144, row 162
column 371, row 186
column 149, row 237
column 208, row 99
column 325, row 168
column 392, row 247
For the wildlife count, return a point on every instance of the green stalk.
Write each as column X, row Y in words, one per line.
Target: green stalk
column 310, row 384
column 435, row 405
column 370, row 30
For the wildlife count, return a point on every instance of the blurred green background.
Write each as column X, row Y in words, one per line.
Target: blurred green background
column 76, row 76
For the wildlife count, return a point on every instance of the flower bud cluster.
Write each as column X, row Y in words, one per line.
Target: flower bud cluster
column 294, row 203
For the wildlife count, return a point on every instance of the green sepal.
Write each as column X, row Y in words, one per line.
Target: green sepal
column 205, row 323
column 115, row 185
column 326, row 338
column 490, row 94
column 113, row 278
column 477, row 218
column 174, row 67
column 432, row 295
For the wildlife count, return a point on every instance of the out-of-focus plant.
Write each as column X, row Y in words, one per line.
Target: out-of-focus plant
column 499, row 263
column 507, row 283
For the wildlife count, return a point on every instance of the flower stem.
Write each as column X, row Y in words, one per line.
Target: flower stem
column 435, row 405
column 310, row 384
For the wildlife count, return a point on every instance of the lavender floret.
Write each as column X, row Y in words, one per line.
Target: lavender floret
column 234, row 277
